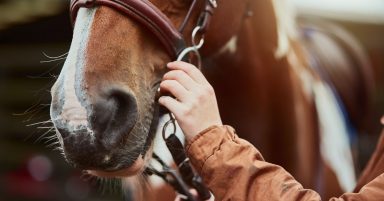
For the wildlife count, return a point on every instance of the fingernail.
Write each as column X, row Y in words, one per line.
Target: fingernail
column 160, row 100
column 170, row 64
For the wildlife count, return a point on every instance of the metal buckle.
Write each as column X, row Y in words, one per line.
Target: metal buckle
column 172, row 177
column 213, row 3
column 172, row 122
column 194, row 48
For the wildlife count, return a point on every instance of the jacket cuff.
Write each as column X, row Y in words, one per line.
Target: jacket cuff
column 206, row 143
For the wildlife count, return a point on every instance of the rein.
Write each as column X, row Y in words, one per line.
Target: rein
column 174, row 43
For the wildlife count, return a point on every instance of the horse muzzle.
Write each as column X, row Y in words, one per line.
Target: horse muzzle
column 93, row 134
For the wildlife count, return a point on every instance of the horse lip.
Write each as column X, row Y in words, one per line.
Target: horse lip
column 133, row 169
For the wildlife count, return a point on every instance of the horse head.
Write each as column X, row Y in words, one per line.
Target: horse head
column 103, row 102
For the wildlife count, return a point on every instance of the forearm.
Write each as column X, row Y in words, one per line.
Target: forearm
column 231, row 167
column 234, row 170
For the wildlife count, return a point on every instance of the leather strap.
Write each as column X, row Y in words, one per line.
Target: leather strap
column 187, row 173
column 144, row 12
column 178, row 154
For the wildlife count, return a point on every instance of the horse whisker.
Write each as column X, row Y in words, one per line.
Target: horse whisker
column 31, row 109
column 50, row 138
column 38, row 123
column 53, row 144
column 45, row 127
column 59, row 148
column 51, row 57
column 43, row 135
column 53, row 60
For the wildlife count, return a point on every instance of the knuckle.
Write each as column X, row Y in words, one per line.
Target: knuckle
column 193, row 69
column 209, row 89
column 178, row 74
column 172, row 82
column 167, row 75
column 170, row 74
column 186, row 112
column 174, row 74
column 164, row 101
column 189, row 68
column 194, row 102
column 167, row 84
column 183, row 73
column 167, row 100
column 164, row 84
column 206, row 90
column 200, row 96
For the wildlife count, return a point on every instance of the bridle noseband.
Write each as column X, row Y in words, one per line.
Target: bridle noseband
column 174, row 43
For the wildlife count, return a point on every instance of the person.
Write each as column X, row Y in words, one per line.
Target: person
column 231, row 167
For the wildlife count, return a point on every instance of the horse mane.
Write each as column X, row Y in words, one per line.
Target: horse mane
column 285, row 14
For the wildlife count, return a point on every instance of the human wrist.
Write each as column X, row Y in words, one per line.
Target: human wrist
column 189, row 137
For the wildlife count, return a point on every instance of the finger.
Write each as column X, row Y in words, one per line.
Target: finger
column 175, row 88
column 171, row 104
column 182, row 77
column 190, row 69
column 192, row 191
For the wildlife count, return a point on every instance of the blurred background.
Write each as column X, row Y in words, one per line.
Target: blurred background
column 34, row 31
column 30, row 32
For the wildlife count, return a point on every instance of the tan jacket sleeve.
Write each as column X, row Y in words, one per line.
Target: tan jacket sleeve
column 375, row 166
column 234, row 170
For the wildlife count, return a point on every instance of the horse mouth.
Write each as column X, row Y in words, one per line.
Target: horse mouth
column 89, row 153
column 134, row 169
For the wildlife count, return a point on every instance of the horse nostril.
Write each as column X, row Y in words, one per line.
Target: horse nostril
column 114, row 115
column 64, row 132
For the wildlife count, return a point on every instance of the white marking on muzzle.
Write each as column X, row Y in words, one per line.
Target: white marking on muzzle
column 74, row 113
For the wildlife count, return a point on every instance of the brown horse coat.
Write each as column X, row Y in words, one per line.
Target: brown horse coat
column 235, row 170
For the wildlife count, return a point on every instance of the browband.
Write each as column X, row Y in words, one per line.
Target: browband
column 144, row 12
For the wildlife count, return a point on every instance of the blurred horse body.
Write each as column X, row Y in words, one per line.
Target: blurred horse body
column 291, row 96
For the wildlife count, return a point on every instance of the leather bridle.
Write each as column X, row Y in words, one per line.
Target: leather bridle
column 174, row 43
column 153, row 19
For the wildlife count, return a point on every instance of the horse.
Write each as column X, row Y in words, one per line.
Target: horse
column 276, row 84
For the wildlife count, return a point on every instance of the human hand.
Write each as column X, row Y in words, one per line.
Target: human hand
column 194, row 193
column 194, row 106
